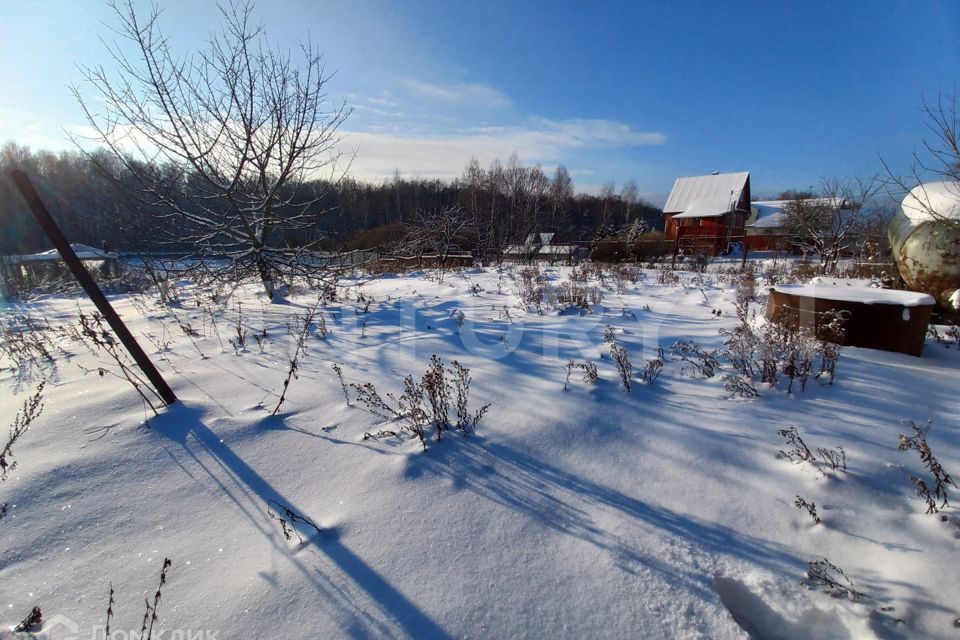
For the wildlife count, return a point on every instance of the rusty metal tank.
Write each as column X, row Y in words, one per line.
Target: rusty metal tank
column 925, row 238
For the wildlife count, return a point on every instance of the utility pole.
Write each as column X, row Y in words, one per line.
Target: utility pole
column 39, row 211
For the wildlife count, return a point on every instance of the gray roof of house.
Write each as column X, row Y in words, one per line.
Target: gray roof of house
column 706, row 196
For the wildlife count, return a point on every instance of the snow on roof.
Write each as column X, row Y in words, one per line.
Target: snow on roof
column 932, row 200
column 705, row 196
column 538, row 238
column 83, row 252
column 771, row 214
column 865, row 295
column 863, row 283
column 546, row 249
column 558, row 249
column 708, row 208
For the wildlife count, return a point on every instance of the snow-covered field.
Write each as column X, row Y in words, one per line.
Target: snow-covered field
column 589, row 512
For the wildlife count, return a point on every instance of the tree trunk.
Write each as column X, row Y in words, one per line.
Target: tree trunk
column 266, row 278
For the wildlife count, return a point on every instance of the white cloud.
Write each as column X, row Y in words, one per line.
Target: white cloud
column 376, row 111
column 580, row 132
column 471, row 95
column 444, row 155
column 432, row 148
column 383, row 102
column 26, row 129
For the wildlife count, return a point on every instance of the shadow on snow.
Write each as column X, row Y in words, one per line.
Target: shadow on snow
column 251, row 492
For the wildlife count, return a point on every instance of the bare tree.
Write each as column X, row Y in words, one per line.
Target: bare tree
column 438, row 231
column 937, row 159
column 561, row 192
column 497, row 230
column 538, row 188
column 827, row 224
column 628, row 198
column 608, row 193
column 225, row 140
column 518, row 189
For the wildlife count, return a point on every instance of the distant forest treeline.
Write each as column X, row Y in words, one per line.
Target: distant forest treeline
column 507, row 200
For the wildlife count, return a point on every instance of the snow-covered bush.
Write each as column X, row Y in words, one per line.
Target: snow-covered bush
column 289, row 519
column 306, row 322
column 368, row 397
column 651, row 371
column 702, row 361
column 26, row 343
column 426, row 403
column 667, row 276
column 534, row 290
column 823, row 575
column 699, row 262
column 459, row 317
column 96, row 335
column 835, row 459
column 573, row 294
column 466, row 421
column 624, row 275
column 622, row 360
column 580, row 274
column 609, row 334
column 437, row 392
column 941, row 478
column 770, row 349
column 530, row 286
column 800, row 451
column 239, row 339
column 803, row 271
column 343, row 385
column 589, row 369
column 809, row 507
column 32, row 408
column 737, row 385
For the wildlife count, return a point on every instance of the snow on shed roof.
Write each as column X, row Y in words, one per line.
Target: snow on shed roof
column 538, row 238
column 772, row 214
column 83, row 252
column 863, row 295
column 705, row 196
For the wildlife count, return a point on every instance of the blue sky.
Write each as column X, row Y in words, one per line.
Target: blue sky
column 643, row 91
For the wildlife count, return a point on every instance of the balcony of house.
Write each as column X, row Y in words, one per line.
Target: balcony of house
column 702, row 235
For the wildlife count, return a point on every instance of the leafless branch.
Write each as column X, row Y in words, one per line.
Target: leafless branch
column 226, row 142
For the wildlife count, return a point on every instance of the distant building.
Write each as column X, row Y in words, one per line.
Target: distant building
column 540, row 246
column 707, row 213
column 767, row 226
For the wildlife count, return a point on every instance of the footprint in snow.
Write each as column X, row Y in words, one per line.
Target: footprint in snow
column 763, row 623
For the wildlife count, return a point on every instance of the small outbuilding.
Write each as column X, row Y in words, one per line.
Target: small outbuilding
column 767, row 228
column 540, row 246
column 870, row 317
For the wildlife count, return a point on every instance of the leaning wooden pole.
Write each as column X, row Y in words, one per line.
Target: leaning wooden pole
column 39, row 211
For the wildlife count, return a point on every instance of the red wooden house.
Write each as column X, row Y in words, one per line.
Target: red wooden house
column 707, row 213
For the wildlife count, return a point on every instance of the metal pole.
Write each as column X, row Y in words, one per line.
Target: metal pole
column 39, row 211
